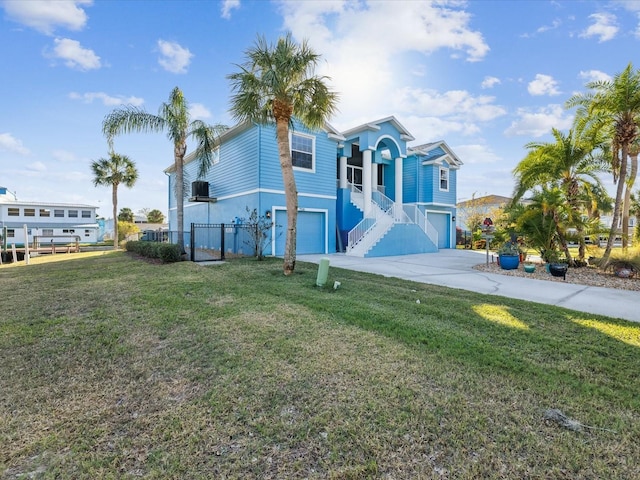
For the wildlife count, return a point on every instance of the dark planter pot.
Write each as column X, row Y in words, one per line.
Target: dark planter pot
column 558, row 270
column 509, row 262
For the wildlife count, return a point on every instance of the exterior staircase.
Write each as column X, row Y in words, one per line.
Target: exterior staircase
column 384, row 215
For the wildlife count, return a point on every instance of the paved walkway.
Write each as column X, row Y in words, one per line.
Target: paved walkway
column 453, row 268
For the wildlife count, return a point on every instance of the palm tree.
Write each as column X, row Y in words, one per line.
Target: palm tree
column 276, row 83
column 114, row 171
column 634, row 149
column 174, row 118
column 614, row 108
column 572, row 164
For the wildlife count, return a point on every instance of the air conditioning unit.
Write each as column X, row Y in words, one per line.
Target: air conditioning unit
column 200, row 189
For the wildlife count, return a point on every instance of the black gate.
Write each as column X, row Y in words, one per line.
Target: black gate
column 218, row 241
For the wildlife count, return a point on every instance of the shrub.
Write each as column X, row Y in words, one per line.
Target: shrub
column 167, row 252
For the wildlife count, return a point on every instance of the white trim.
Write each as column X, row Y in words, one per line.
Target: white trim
column 452, row 231
column 268, row 190
column 276, row 208
column 433, row 204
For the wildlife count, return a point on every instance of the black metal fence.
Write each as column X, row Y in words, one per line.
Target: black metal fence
column 207, row 242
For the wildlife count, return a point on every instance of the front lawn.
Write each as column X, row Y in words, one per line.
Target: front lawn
column 113, row 367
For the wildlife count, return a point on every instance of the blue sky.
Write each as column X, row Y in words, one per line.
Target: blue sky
column 487, row 77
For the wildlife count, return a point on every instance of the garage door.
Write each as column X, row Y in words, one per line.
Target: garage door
column 441, row 223
column 311, row 234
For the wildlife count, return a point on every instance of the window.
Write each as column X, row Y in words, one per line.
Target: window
column 444, row 179
column 87, row 233
column 13, row 212
column 11, row 233
column 47, row 232
column 215, row 159
column 86, row 213
column 302, row 151
column 29, row 212
column 73, row 213
column 68, row 230
column 58, row 213
column 45, row 212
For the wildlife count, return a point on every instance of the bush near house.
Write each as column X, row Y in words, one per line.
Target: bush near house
column 167, row 252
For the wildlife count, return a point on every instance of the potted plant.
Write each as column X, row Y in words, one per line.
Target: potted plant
column 509, row 255
column 555, row 266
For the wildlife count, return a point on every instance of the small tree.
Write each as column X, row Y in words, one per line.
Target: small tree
column 155, row 216
column 125, row 215
column 258, row 226
column 126, row 229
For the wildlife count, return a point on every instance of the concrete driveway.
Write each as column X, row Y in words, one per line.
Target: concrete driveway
column 454, row 268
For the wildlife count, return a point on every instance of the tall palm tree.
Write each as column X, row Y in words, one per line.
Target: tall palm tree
column 634, row 150
column 571, row 163
column 276, row 83
column 174, row 118
column 114, row 171
column 613, row 106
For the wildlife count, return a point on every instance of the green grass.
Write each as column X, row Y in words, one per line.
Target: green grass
column 112, row 367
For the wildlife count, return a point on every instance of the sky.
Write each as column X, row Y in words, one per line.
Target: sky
column 487, row 77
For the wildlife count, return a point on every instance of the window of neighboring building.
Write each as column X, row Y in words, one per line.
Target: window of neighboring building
column 86, row 213
column 58, row 213
column 444, row 179
column 73, row 213
column 11, row 233
column 13, row 212
column 302, row 147
column 68, row 230
column 45, row 212
column 47, row 232
column 29, row 212
column 87, row 233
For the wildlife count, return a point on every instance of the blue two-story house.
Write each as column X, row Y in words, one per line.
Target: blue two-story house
column 362, row 191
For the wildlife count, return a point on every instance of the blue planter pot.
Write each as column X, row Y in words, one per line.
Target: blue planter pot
column 509, row 262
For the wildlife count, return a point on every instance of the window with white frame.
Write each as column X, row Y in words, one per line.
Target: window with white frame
column 73, row 213
column 11, row 233
column 215, row 156
column 13, row 212
column 29, row 212
column 47, row 232
column 444, row 179
column 302, row 151
column 45, row 212
column 86, row 213
column 58, row 213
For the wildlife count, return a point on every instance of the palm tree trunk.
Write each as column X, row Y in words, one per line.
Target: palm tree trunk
column 627, row 200
column 291, row 194
column 179, row 189
column 616, row 209
column 114, row 202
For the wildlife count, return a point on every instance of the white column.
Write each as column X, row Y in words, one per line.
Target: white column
column 398, row 185
column 366, row 181
column 374, row 177
column 343, row 172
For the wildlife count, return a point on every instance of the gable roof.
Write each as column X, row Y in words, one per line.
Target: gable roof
column 375, row 125
column 436, row 153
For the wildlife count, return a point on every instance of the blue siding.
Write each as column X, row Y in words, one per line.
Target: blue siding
column 409, row 180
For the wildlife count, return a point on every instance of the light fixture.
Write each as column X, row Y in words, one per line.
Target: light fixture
column 267, row 214
column 453, row 218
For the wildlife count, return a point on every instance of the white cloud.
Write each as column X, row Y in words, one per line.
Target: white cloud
column 457, row 104
column 475, row 154
column 536, row 123
column 554, row 25
column 74, row 55
column 106, row 99
column 594, row 76
column 227, row 6
column 173, row 57
column 197, row 110
column 490, row 82
column 64, row 156
column 46, row 15
column 543, row 85
column 37, row 167
column 604, row 27
column 363, row 45
column 10, row 143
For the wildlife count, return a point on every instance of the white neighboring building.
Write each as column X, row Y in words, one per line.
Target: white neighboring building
column 57, row 222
